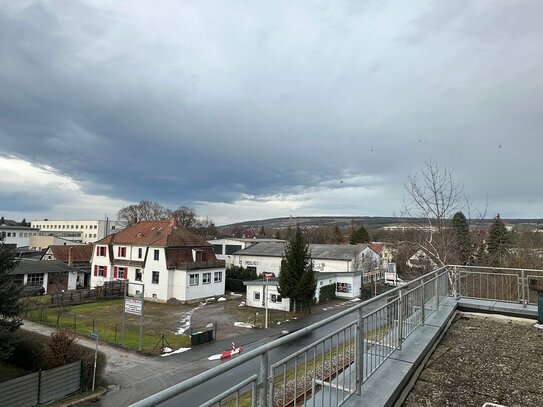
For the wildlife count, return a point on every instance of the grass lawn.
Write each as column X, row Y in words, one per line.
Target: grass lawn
column 105, row 317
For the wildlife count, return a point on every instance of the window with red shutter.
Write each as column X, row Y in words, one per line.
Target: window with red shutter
column 95, row 270
column 114, row 272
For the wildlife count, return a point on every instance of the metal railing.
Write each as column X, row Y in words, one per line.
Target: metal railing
column 333, row 368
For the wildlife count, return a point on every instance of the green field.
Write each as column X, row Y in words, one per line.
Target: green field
column 105, row 317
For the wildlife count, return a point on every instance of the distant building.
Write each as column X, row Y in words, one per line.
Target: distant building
column 53, row 275
column 345, row 266
column 225, row 248
column 40, row 242
column 78, row 256
column 80, row 231
column 172, row 262
column 17, row 235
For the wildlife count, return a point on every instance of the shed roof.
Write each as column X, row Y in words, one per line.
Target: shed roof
column 318, row 251
column 35, row 266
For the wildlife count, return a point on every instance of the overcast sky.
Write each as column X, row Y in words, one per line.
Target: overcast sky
column 250, row 110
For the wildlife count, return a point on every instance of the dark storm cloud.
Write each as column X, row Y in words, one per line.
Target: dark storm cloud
column 201, row 101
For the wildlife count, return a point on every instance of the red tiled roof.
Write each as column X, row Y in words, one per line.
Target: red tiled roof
column 377, row 248
column 80, row 253
column 161, row 233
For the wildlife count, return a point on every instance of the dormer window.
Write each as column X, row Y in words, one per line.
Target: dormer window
column 198, row 255
column 101, row 251
column 121, row 252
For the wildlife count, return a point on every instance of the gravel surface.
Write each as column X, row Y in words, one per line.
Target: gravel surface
column 483, row 358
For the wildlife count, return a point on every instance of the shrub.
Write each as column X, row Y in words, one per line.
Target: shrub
column 327, row 292
column 34, row 351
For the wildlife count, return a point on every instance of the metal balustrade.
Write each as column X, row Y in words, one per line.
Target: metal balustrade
column 333, row 368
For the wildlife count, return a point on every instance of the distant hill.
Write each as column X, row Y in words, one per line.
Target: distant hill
column 345, row 221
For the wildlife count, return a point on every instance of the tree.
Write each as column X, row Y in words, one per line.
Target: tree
column 145, row 210
column 462, row 240
column 498, row 242
column 262, row 231
column 337, row 236
column 2, row 221
column 434, row 195
column 360, row 235
column 10, row 305
column 23, row 222
column 277, row 234
column 297, row 279
column 185, row 217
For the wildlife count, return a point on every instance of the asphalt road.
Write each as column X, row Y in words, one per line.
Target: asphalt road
column 139, row 378
column 204, row 392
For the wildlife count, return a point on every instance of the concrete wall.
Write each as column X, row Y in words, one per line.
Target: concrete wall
column 270, row 290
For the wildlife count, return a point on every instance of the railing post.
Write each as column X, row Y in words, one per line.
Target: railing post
column 422, row 310
column 400, row 319
column 437, row 290
column 264, row 379
column 360, row 353
column 457, row 282
column 523, row 287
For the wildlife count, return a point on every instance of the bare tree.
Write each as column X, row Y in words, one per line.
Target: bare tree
column 145, row 210
column 185, row 217
column 434, row 196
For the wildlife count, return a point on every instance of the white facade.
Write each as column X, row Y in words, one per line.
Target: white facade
column 347, row 286
column 147, row 265
column 224, row 249
column 18, row 235
column 81, row 231
column 257, row 294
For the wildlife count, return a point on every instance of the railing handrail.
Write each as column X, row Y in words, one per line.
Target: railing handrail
column 188, row 384
column 494, row 268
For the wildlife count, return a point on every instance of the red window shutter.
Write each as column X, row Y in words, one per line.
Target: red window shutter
column 97, row 251
column 118, row 252
column 105, row 271
column 126, row 273
column 95, row 269
column 114, row 272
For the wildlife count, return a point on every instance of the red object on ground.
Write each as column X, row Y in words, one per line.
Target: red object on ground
column 228, row 353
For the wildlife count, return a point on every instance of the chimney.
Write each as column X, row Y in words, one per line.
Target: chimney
column 70, row 257
column 173, row 223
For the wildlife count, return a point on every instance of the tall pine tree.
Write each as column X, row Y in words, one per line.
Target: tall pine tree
column 360, row 235
column 297, row 279
column 498, row 242
column 462, row 240
column 10, row 305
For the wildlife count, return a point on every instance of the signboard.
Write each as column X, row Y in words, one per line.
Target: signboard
column 132, row 306
column 344, row 288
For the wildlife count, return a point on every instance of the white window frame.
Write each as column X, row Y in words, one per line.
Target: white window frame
column 256, row 295
column 219, row 275
column 204, row 275
column 195, row 277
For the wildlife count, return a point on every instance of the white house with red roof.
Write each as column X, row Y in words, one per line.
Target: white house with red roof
column 172, row 262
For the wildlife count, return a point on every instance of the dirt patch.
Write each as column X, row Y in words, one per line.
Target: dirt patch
column 483, row 359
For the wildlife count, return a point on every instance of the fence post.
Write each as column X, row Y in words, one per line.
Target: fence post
column 264, row 379
column 523, row 288
column 400, row 319
column 360, row 353
column 423, row 295
column 39, row 385
column 457, row 282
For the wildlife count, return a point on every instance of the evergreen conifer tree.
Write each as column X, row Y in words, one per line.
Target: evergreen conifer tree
column 462, row 240
column 297, row 279
column 10, row 304
column 337, row 236
column 498, row 242
column 360, row 235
